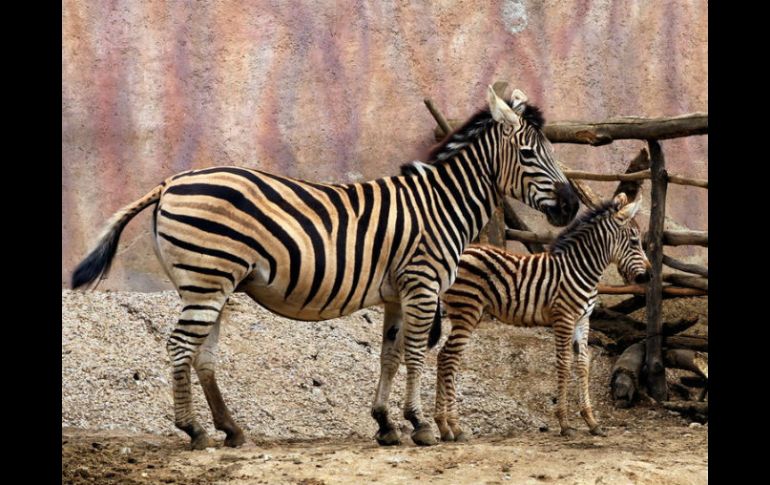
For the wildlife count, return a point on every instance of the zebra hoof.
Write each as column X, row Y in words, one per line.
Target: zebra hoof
column 598, row 431
column 200, row 442
column 234, row 440
column 448, row 436
column 423, row 436
column 391, row 438
column 462, row 437
column 569, row 432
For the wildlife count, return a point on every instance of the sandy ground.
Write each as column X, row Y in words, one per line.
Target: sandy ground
column 302, row 393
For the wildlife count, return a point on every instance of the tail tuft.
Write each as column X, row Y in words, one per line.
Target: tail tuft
column 98, row 262
column 435, row 329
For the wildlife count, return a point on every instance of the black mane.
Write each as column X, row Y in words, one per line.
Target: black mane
column 476, row 125
column 587, row 219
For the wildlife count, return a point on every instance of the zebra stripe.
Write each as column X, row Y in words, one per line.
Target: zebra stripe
column 313, row 251
column 556, row 288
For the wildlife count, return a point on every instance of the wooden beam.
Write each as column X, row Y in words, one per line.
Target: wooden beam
column 686, row 267
column 442, row 122
column 604, row 132
column 636, row 128
column 684, row 238
column 513, row 221
column 642, row 290
column 529, row 236
column 687, row 281
column 656, row 370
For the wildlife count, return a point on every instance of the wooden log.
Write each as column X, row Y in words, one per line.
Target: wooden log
column 676, row 179
column 690, row 360
column 696, row 410
column 442, row 122
column 513, row 221
column 641, row 290
column 655, row 368
column 670, row 238
column 636, row 302
column 686, row 267
column 690, row 342
column 687, row 281
column 624, row 383
column 625, row 128
column 631, row 188
column 529, row 236
column 616, row 324
column 683, row 238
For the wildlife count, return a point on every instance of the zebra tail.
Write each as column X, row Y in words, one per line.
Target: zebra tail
column 435, row 329
column 98, row 261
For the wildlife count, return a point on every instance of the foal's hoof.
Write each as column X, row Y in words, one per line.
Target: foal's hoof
column 462, row 437
column 423, row 436
column 235, row 439
column 448, row 436
column 569, row 432
column 391, row 438
column 200, row 442
column 598, row 431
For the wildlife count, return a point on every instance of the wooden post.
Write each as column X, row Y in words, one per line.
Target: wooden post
column 655, row 367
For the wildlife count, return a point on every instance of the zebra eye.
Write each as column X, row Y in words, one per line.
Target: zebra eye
column 527, row 152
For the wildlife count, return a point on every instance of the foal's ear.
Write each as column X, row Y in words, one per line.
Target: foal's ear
column 628, row 210
column 501, row 112
column 519, row 101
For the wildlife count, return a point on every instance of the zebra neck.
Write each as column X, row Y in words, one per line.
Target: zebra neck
column 465, row 182
column 584, row 262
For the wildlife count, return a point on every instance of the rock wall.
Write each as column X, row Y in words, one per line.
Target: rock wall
column 332, row 91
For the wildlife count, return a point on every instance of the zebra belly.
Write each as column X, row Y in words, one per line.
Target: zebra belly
column 273, row 298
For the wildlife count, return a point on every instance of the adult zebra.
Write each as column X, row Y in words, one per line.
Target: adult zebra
column 312, row 251
column 556, row 288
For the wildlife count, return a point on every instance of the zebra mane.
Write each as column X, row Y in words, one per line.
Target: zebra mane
column 580, row 224
column 471, row 129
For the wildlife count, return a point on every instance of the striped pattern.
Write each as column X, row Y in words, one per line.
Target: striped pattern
column 556, row 288
column 312, row 251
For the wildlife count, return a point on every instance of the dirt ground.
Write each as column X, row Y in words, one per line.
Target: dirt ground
column 302, row 393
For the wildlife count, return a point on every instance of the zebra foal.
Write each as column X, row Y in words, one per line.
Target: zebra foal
column 557, row 288
column 311, row 251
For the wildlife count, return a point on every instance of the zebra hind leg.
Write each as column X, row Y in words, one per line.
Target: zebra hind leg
column 192, row 329
column 390, row 358
column 583, row 369
column 205, row 365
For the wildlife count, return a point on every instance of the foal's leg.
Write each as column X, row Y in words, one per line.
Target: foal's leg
column 205, row 365
column 583, row 367
column 449, row 359
column 563, row 329
column 390, row 359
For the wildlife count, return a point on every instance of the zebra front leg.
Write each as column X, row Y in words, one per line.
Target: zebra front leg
column 583, row 370
column 205, row 365
column 390, row 358
column 447, row 417
column 419, row 311
column 563, row 329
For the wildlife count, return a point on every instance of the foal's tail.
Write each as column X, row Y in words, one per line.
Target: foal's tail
column 435, row 329
column 98, row 261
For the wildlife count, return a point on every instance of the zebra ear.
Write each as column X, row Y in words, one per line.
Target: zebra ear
column 628, row 210
column 501, row 112
column 519, row 101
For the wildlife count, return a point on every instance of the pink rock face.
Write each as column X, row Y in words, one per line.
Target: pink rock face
column 333, row 91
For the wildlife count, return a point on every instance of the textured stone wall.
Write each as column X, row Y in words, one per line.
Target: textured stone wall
column 332, row 91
